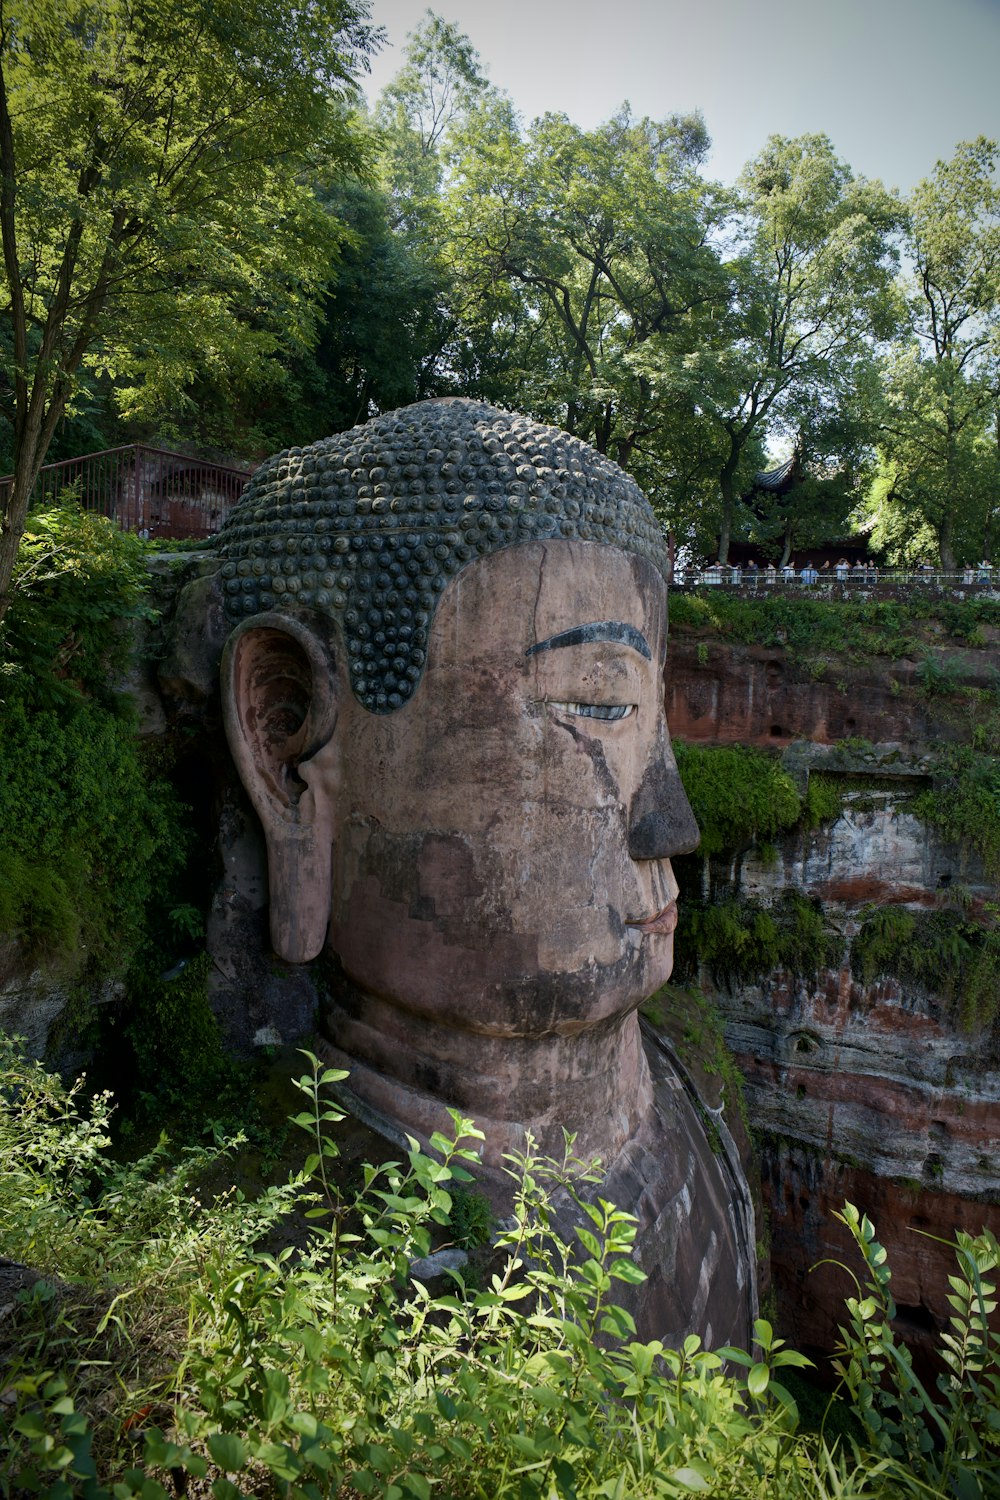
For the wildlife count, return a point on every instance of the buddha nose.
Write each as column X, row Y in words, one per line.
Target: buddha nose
column 661, row 823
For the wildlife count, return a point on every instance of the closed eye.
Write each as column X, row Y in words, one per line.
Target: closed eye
column 606, row 711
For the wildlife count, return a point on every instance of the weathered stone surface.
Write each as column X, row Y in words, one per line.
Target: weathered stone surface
column 877, row 850
column 30, row 1004
column 755, row 695
column 480, row 826
column 258, row 1000
column 194, row 637
column 861, row 1093
column 34, row 1006
column 873, row 1075
column 805, row 1190
column 439, row 1264
column 867, row 1094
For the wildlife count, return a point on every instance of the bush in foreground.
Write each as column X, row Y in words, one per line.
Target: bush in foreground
column 186, row 1358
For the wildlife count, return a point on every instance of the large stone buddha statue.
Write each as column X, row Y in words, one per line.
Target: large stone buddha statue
column 443, row 689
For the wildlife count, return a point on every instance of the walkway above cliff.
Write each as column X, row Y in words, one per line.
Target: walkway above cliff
column 869, row 583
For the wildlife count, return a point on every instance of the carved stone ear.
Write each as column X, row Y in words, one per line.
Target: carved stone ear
column 279, row 695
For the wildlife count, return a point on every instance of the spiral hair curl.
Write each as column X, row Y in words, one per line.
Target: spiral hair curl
column 368, row 526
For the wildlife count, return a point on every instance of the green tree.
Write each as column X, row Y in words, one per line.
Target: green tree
column 439, row 85
column 576, row 252
column 380, row 329
column 938, row 478
column 833, row 460
column 152, row 214
column 811, row 288
column 377, row 335
column 940, row 469
column 430, row 104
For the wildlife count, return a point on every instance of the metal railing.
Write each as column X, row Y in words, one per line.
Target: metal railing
column 151, row 491
column 862, row 576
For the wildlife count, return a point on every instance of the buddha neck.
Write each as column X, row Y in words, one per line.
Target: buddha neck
column 406, row 1072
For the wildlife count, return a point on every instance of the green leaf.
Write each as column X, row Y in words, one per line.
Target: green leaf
column 589, row 1241
column 224, row 1489
column 628, row 1271
column 227, row 1450
column 332, row 1075
column 763, row 1332
column 690, row 1479
column 757, row 1380
column 792, row 1357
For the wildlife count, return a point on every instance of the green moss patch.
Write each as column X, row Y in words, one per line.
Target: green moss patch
column 737, row 795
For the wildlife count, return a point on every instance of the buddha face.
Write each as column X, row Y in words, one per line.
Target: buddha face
column 494, row 855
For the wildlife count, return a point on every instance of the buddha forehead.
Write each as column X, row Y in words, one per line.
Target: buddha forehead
column 368, row 527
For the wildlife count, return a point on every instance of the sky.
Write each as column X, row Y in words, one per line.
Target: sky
column 895, row 84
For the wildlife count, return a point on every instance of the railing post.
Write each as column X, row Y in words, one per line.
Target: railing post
column 104, row 484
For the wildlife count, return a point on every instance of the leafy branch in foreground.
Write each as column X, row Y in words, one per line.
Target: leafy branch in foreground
column 940, row 1446
column 328, row 1368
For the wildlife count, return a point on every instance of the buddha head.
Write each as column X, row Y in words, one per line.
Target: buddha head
column 443, row 690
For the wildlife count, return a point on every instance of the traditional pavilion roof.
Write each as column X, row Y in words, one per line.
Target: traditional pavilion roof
column 780, row 479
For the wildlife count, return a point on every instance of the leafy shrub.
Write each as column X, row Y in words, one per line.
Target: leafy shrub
column 944, row 1446
column 69, row 1210
column 737, row 794
column 471, row 1218
column 172, row 1044
column 945, row 952
column 938, row 673
column 965, row 804
column 740, row 939
column 76, row 580
column 823, row 800
column 325, row 1372
column 90, row 831
column 87, row 834
column 806, row 628
column 812, row 628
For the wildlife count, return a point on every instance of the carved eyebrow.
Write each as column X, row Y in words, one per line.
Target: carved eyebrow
column 604, row 630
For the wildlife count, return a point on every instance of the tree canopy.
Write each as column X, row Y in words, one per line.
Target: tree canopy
column 811, row 277
column 940, row 464
column 206, row 236
column 153, row 215
column 602, row 237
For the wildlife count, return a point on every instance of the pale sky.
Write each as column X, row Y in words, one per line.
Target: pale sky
column 895, row 84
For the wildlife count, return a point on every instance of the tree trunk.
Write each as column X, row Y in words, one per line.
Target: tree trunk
column 946, row 529
column 786, row 550
column 727, row 488
column 945, row 535
column 12, row 517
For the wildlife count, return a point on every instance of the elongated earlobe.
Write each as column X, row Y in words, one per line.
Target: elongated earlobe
column 279, row 694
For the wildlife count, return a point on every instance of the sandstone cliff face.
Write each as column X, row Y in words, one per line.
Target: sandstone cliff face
column 876, row 850
column 864, row 1094
column 755, row 695
column 867, row 1093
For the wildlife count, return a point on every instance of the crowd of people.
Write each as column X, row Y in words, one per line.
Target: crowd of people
column 841, row 571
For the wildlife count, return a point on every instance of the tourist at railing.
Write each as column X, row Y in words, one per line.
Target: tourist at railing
column 859, row 574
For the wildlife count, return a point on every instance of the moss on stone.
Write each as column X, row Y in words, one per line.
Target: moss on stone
column 738, row 795
column 949, row 953
column 740, row 939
